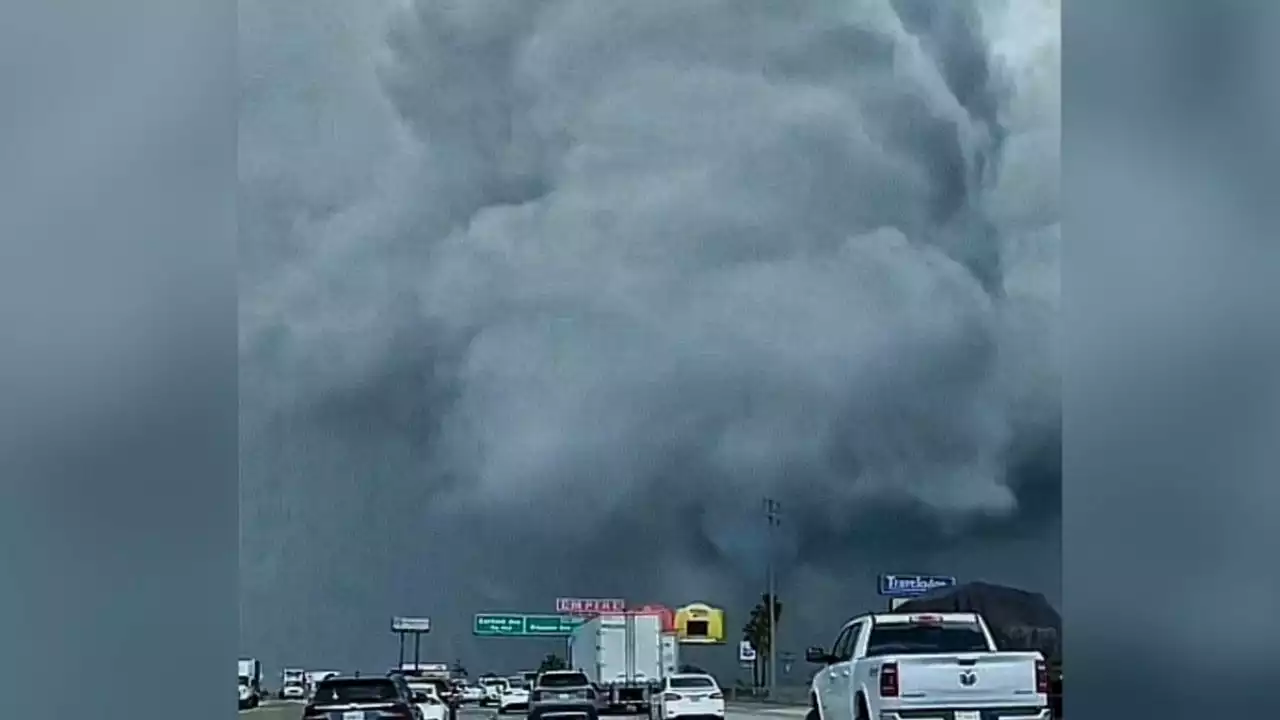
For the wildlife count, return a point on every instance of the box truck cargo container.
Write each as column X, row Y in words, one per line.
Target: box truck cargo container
column 624, row 656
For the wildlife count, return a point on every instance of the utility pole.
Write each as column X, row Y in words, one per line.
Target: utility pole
column 773, row 516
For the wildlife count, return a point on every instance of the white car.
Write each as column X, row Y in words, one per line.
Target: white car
column 514, row 699
column 689, row 695
column 894, row 666
column 471, row 694
column 433, row 708
column 493, row 689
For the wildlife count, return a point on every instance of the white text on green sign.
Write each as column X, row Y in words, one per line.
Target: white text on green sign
column 514, row 625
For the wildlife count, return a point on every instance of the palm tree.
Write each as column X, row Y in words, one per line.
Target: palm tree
column 756, row 632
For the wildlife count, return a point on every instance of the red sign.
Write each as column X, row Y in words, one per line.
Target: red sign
column 667, row 615
column 589, row 606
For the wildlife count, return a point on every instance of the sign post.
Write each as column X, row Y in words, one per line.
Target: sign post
column 747, row 658
column 415, row 626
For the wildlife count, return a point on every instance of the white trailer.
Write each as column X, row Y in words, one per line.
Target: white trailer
column 623, row 655
column 315, row 677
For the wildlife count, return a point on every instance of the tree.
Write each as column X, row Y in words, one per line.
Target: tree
column 552, row 662
column 756, row 632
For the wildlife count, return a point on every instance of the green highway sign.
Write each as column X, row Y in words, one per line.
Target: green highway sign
column 518, row 625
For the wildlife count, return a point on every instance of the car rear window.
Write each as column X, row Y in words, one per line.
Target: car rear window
column 692, row 682
column 925, row 639
column 356, row 691
column 557, row 680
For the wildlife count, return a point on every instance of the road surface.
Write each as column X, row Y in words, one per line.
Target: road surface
column 282, row 710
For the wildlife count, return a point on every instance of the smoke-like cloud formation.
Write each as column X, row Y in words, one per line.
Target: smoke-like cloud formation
column 543, row 298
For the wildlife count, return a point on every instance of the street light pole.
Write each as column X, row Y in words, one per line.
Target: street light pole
column 772, row 513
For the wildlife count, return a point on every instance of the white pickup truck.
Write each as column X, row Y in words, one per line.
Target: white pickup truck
column 941, row 666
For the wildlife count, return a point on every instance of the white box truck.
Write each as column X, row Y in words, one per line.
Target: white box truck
column 250, row 672
column 624, row 656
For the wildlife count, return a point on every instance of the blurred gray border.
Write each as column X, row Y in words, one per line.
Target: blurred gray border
column 118, row 521
column 1170, row 334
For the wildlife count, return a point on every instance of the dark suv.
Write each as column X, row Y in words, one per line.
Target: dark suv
column 386, row 698
column 563, row 694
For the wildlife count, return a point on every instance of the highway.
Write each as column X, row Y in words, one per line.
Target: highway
column 282, row 710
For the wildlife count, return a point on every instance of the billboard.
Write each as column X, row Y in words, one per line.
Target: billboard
column 700, row 624
column 411, row 624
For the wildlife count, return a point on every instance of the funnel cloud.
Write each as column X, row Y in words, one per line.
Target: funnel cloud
column 542, row 299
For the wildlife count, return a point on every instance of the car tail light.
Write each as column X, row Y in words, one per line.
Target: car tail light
column 889, row 679
column 717, row 696
column 1042, row 678
column 671, row 697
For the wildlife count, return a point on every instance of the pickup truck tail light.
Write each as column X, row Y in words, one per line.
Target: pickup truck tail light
column 1042, row 678
column 889, row 680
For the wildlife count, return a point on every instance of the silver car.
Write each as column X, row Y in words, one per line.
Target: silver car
column 563, row 695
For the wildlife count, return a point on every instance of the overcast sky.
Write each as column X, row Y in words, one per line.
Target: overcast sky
column 541, row 299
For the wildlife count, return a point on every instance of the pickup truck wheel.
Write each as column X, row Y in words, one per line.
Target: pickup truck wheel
column 863, row 712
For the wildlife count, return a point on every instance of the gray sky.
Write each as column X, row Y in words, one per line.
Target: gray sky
column 540, row 299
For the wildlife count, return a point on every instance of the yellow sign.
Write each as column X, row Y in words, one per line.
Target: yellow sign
column 698, row 623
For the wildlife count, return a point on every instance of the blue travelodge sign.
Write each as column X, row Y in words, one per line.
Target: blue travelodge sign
column 909, row 585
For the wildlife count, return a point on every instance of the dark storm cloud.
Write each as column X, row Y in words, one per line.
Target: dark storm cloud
column 540, row 299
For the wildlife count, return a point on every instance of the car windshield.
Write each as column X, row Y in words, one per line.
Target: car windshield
column 559, row 680
column 356, row 691
column 683, row 683
column 925, row 639
column 516, row 683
